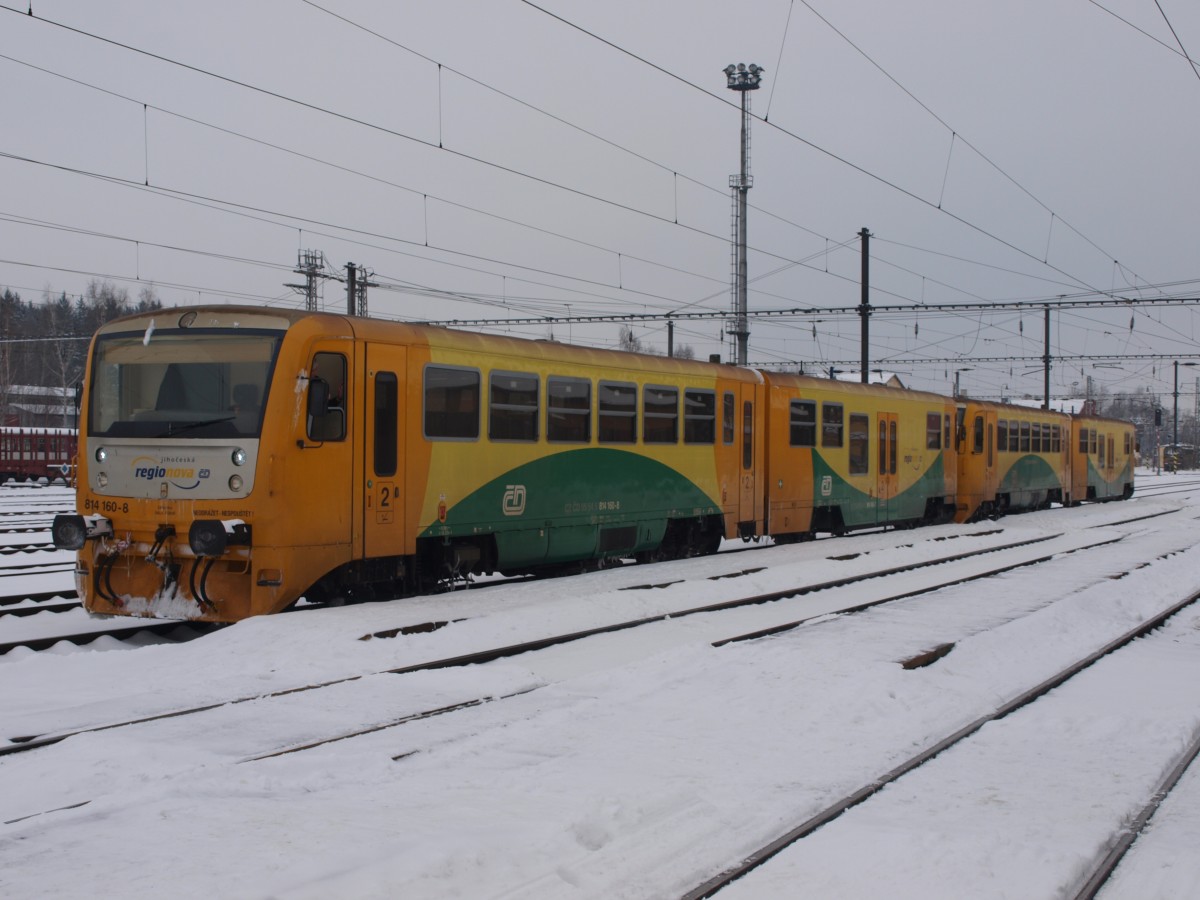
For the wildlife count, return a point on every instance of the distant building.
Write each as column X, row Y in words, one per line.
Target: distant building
column 875, row 376
column 28, row 406
column 1064, row 405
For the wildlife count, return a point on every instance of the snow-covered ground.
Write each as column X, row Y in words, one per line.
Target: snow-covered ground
column 639, row 763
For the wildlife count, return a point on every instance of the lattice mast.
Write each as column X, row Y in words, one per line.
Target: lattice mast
column 743, row 79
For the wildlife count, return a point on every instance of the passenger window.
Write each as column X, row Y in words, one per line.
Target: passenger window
column 660, row 415
column 699, row 417
column 803, row 423
column 1024, row 437
column 1002, row 435
column 512, row 406
column 946, row 433
column 386, row 423
column 451, row 403
column 860, row 426
column 327, row 419
column 569, row 410
column 831, row 425
column 728, row 418
column 1092, row 441
column 617, row 412
column 1100, row 450
column 933, row 431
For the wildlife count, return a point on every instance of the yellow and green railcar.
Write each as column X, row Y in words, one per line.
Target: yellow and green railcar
column 843, row 456
column 234, row 459
column 1102, row 454
column 1011, row 458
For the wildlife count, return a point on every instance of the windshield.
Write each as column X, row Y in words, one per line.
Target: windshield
column 186, row 383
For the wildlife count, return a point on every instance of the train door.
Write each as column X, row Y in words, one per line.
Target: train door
column 1076, row 439
column 887, row 429
column 314, row 482
column 383, row 450
column 749, row 448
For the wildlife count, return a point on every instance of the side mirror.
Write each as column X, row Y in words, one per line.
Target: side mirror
column 318, row 397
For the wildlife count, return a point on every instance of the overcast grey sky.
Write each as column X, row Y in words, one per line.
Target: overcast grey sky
column 498, row 158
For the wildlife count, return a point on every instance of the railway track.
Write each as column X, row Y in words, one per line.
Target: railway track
column 423, row 707
column 84, row 631
column 1103, row 867
column 1030, row 552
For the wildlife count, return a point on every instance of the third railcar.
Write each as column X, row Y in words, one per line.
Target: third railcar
column 235, row 459
column 1014, row 458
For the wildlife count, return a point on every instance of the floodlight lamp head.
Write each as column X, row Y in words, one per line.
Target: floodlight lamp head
column 742, row 77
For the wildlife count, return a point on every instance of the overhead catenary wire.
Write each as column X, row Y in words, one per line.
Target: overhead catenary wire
column 402, row 135
column 559, row 274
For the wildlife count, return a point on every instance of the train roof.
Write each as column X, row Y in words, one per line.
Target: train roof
column 433, row 335
column 813, row 384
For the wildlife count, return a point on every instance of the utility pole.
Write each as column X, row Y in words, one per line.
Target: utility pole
column 310, row 264
column 358, row 278
column 864, row 307
column 1046, row 363
column 743, row 79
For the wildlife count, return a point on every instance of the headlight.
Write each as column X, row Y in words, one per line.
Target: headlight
column 239, row 457
column 101, row 454
column 102, row 480
column 235, row 482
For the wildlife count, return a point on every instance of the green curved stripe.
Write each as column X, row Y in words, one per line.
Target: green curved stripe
column 860, row 509
column 1029, row 474
column 1106, row 487
column 581, row 493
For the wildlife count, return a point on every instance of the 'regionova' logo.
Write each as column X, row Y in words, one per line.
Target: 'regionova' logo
column 146, row 468
column 514, row 499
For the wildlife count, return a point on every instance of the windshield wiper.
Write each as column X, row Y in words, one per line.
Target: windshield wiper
column 174, row 428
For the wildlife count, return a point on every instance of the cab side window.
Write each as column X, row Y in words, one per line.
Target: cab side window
column 327, row 413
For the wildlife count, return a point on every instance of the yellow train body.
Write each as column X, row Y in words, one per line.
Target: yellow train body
column 232, row 460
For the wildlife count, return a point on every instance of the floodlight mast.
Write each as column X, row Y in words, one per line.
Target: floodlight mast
column 743, row 79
